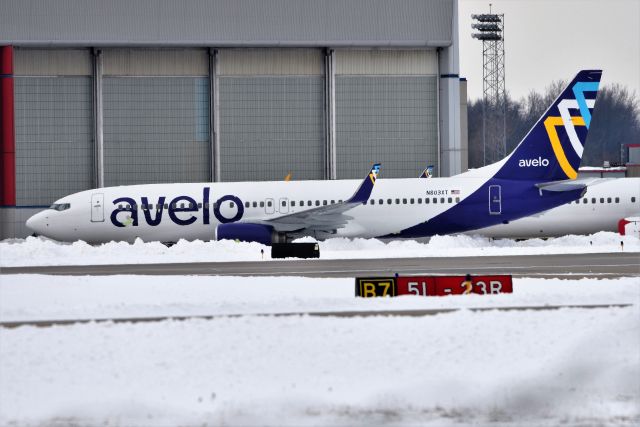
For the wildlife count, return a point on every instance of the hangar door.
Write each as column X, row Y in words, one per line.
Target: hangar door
column 53, row 124
column 386, row 111
column 271, row 114
column 156, row 116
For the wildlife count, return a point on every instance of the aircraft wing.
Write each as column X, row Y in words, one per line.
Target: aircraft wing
column 325, row 218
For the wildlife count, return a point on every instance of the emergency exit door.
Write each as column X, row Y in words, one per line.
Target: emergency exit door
column 495, row 199
column 97, row 207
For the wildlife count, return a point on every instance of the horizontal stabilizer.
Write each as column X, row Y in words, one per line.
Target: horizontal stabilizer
column 566, row 185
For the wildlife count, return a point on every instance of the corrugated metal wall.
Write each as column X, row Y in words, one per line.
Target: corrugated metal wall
column 271, row 114
column 386, row 111
column 229, row 23
column 54, row 124
column 156, row 116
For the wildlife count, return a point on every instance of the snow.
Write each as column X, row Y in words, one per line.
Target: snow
column 40, row 297
column 40, row 251
column 570, row 366
column 539, row 368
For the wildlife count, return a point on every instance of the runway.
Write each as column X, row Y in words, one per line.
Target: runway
column 574, row 266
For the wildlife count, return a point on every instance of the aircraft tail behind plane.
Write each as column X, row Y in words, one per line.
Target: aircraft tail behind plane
column 553, row 148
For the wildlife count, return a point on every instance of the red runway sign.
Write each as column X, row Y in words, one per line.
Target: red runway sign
column 433, row 285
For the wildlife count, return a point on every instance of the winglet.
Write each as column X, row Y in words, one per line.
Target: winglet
column 364, row 191
column 427, row 173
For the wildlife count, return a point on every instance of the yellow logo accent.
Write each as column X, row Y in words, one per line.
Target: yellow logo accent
column 550, row 125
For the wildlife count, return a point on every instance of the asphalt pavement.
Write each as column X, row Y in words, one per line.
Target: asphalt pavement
column 605, row 265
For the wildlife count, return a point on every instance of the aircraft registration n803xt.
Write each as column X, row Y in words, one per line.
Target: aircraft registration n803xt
column 538, row 175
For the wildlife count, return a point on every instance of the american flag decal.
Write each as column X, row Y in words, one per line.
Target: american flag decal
column 455, row 191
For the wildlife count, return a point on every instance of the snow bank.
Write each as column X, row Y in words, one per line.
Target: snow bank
column 569, row 367
column 39, row 297
column 40, row 251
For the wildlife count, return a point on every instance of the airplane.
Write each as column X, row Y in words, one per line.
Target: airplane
column 538, row 175
column 604, row 207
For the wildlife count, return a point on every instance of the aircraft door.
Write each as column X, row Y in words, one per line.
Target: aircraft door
column 495, row 199
column 284, row 205
column 97, row 207
column 269, row 206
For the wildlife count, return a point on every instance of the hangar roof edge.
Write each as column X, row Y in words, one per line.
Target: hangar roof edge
column 227, row 23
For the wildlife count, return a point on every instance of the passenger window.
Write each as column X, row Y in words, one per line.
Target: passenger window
column 262, row 204
column 419, row 200
column 457, row 199
column 333, row 202
column 633, row 200
column 608, row 199
column 269, row 203
column 397, row 201
column 200, row 205
column 388, row 201
column 380, row 202
column 617, row 199
column 435, row 200
column 449, row 200
column 404, row 201
column 293, row 203
column 601, row 199
column 585, row 200
column 284, row 203
column 166, row 205
column 119, row 206
column 247, row 204
column 593, row 200
column 324, row 203
column 441, row 199
column 426, row 200
column 317, row 202
column 339, row 201
column 371, row 201
column 308, row 202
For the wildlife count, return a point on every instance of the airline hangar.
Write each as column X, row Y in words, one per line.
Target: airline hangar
column 111, row 93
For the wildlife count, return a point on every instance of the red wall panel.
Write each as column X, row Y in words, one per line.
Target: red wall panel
column 7, row 129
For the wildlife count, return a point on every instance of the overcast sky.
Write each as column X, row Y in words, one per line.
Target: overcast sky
column 547, row 40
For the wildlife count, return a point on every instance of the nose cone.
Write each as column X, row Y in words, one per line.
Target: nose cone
column 37, row 223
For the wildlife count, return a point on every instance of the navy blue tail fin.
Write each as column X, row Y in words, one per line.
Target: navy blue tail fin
column 552, row 149
column 364, row 191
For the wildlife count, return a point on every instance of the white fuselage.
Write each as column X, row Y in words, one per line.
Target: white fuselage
column 600, row 209
column 397, row 204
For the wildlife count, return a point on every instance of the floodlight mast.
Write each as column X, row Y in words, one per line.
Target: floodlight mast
column 490, row 27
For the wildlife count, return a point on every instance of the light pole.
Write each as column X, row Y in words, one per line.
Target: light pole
column 490, row 27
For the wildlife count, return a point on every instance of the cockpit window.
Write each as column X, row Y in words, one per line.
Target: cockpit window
column 60, row 206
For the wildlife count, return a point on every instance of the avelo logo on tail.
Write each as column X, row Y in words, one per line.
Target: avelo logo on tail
column 539, row 162
column 553, row 148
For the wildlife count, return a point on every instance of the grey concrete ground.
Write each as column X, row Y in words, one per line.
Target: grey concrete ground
column 559, row 266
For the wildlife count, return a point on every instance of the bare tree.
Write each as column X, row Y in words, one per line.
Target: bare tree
column 616, row 121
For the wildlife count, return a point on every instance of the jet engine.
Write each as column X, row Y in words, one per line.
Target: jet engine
column 246, row 233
